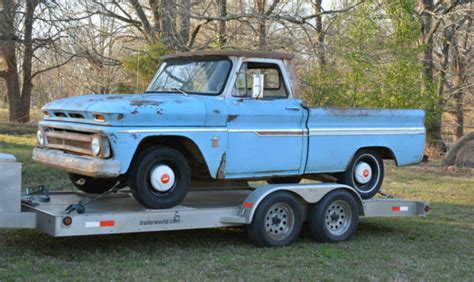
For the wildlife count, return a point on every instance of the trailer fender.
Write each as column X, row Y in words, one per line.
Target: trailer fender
column 310, row 193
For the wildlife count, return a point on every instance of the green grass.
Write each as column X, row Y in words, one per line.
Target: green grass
column 439, row 247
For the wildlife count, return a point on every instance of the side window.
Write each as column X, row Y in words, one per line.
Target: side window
column 274, row 88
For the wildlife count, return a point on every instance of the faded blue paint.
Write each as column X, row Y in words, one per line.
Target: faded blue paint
column 260, row 138
column 329, row 152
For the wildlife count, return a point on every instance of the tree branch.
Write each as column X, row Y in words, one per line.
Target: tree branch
column 53, row 67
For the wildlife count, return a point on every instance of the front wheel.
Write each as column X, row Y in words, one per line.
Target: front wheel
column 365, row 173
column 160, row 178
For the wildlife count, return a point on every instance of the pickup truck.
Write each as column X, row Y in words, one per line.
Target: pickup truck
column 220, row 116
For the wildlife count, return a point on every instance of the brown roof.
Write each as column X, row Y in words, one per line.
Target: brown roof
column 231, row 53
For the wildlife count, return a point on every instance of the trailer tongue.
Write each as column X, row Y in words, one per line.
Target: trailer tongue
column 272, row 213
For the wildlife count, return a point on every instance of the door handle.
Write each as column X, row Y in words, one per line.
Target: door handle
column 292, row 108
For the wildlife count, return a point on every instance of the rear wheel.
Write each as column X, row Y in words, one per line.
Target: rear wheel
column 334, row 218
column 160, row 178
column 92, row 185
column 277, row 221
column 365, row 173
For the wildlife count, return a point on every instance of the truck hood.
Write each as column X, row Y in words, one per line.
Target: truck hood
column 163, row 109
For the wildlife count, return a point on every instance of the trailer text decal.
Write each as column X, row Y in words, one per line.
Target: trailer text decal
column 175, row 219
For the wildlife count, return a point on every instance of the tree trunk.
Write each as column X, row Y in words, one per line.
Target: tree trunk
column 185, row 23
column 458, row 72
column 427, row 66
column 168, row 22
column 426, row 8
column 8, row 52
column 321, row 56
column 262, row 29
column 222, row 7
column 27, row 60
column 155, row 11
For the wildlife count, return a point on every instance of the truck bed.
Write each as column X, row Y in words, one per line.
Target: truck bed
column 402, row 132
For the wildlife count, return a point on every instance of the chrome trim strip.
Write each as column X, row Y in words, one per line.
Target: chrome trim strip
column 293, row 132
column 164, row 130
column 367, row 131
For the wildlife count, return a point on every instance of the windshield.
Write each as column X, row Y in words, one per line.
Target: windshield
column 197, row 77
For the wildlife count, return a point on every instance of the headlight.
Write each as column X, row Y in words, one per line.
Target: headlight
column 41, row 138
column 96, row 145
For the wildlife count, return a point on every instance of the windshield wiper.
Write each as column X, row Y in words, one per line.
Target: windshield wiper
column 180, row 90
column 170, row 89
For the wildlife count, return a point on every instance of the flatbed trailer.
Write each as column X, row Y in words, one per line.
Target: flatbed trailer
column 272, row 213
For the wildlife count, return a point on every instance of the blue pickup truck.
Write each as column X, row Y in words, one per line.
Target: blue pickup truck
column 219, row 116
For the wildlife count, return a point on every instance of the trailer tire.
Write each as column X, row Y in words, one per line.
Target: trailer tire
column 160, row 177
column 334, row 218
column 367, row 185
column 92, row 185
column 277, row 221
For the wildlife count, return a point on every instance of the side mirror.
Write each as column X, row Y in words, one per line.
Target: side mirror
column 257, row 87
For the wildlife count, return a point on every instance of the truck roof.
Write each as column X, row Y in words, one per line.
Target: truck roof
column 231, row 53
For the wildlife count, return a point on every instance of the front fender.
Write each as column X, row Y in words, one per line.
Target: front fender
column 211, row 142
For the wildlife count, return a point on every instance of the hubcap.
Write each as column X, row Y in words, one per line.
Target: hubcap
column 338, row 218
column 363, row 173
column 162, row 178
column 279, row 221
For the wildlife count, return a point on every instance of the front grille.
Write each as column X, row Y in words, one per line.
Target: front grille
column 69, row 141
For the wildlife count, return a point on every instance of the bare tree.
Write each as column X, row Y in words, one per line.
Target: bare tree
column 19, row 81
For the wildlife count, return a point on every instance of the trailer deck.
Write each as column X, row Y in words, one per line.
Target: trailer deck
column 204, row 207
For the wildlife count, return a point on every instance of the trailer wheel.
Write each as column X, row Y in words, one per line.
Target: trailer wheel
column 277, row 221
column 160, row 178
column 334, row 218
column 365, row 173
column 92, row 185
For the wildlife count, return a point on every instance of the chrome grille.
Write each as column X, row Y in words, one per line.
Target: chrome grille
column 69, row 141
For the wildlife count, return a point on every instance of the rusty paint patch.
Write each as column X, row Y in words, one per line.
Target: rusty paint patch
column 143, row 103
column 231, row 118
column 221, row 170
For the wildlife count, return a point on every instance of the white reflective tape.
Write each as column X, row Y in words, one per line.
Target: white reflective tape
column 90, row 224
column 403, row 208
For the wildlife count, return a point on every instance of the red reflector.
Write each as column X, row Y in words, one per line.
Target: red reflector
column 106, row 223
column 248, row 205
column 395, row 208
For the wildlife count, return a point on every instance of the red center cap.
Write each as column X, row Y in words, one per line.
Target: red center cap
column 366, row 173
column 165, row 178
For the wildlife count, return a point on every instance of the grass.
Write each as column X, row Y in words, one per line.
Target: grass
column 439, row 247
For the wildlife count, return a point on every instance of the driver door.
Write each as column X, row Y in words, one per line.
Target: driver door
column 265, row 134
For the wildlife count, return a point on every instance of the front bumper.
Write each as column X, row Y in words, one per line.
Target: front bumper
column 82, row 165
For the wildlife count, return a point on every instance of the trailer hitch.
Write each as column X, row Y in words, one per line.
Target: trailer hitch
column 35, row 193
